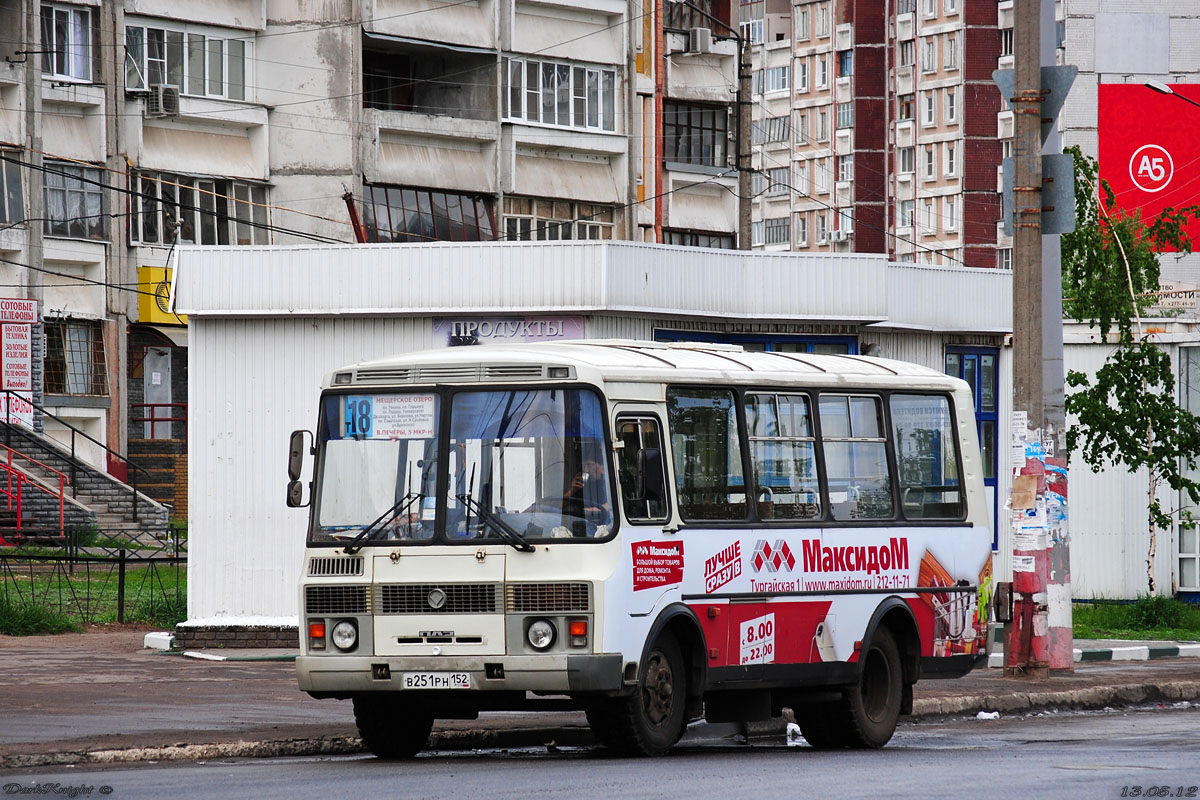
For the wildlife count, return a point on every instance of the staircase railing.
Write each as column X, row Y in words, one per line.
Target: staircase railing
column 74, row 460
column 12, row 471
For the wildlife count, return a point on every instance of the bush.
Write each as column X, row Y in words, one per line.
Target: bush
column 162, row 611
column 29, row 620
column 1157, row 612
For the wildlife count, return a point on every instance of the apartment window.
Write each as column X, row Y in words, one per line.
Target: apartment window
column 950, row 217
column 822, row 126
column 822, row 229
column 906, row 158
column 1006, row 148
column 776, row 79
column 930, row 162
column 198, row 211
column 929, row 55
column 845, row 168
column 694, row 134
column 802, row 178
column 930, row 108
column 1004, row 258
column 822, row 21
column 906, row 6
column 198, row 61
column 408, row 214
column 803, row 29
column 801, row 229
column 1006, row 41
column 908, row 52
column 821, row 175
column 715, row 241
column 67, row 42
column 822, row 72
column 75, row 363
column 845, row 115
column 753, row 29
column 951, row 160
column 845, row 63
column 756, row 233
column 950, row 53
column 801, row 74
column 757, row 183
column 775, row 230
column 560, row 93
column 12, row 205
column 950, row 6
column 927, row 217
column 951, row 107
column 905, row 105
column 75, row 205
column 536, row 219
column 906, row 214
column 776, row 129
column 778, row 181
column 801, row 127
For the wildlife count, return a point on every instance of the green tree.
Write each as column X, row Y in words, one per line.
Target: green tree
column 1126, row 415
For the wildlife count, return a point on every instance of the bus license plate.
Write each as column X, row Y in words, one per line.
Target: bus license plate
column 437, row 680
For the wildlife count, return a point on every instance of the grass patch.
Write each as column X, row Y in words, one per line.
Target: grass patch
column 30, row 620
column 1146, row 618
column 154, row 594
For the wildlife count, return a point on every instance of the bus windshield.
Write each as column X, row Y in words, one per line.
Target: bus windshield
column 522, row 466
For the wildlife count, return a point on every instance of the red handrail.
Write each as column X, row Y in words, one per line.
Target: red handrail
column 8, row 467
column 154, row 419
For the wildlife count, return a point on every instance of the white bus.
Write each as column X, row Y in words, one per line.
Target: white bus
column 650, row 533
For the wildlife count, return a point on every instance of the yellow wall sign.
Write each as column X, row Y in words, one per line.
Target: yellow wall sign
column 154, row 283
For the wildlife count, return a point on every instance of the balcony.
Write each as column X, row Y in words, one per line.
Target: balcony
column 428, row 78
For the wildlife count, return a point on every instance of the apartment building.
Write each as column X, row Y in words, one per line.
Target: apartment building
column 893, row 138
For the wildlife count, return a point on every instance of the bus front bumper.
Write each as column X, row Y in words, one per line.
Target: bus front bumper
column 558, row 673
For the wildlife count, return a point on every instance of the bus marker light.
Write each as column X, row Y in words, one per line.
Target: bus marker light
column 714, row 653
column 579, row 627
column 713, row 612
column 316, row 635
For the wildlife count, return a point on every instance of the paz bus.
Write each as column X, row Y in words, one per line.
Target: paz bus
column 651, row 533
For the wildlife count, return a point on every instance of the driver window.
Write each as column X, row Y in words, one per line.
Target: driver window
column 641, row 469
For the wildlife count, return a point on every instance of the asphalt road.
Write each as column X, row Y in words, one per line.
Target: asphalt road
column 1091, row 756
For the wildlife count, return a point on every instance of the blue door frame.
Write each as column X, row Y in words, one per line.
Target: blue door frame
column 980, row 368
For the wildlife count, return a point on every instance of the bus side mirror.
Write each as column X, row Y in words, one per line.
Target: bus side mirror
column 297, row 447
column 296, row 454
column 295, row 495
column 651, row 483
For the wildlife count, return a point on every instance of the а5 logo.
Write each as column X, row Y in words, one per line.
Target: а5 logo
column 1151, row 168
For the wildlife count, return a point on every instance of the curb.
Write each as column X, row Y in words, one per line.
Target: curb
column 1140, row 652
column 552, row 737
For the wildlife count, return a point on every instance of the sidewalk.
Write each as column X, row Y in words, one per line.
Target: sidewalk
column 101, row 697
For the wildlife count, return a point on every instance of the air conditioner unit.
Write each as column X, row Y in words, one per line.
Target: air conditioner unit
column 699, row 40
column 838, row 236
column 163, row 101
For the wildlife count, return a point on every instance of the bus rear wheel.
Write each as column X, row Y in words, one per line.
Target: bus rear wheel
column 871, row 707
column 392, row 727
column 650, row 721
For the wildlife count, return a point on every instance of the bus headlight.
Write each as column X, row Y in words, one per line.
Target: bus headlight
column 344, row 635
column 541, row 634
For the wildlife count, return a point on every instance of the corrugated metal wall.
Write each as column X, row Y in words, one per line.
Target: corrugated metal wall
column 252, row 382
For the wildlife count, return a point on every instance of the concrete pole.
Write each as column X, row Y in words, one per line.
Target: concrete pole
column 1040, row 635
column 1025, row 651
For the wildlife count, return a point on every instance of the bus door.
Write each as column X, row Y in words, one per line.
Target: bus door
column 656, row 557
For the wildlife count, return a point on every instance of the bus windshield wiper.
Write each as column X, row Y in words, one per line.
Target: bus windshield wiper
column 507, row 532
column 399, row 507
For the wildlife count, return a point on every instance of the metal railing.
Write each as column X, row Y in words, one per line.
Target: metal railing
column 73, row 460
column 22, row 479
column 154, row 419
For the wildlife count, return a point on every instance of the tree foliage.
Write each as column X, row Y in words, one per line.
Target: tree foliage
column 1127, row 414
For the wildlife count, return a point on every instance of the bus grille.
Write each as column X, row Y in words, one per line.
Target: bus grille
column 544, row 597
column 335, row 599
column 325, row 566
column 448, row 598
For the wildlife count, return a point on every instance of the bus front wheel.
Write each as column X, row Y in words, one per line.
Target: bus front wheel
column 392, row 727
column 650, row 721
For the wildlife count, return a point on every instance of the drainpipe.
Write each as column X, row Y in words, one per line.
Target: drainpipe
column 660, row 67
column 360, row 233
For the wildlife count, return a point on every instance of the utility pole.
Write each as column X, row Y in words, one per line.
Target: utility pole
column 744, row 162
column 1040, row 634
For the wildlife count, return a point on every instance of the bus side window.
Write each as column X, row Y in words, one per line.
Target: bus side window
column 641, row 468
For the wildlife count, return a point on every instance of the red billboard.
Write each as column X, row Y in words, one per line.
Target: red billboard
column 1149, row 151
